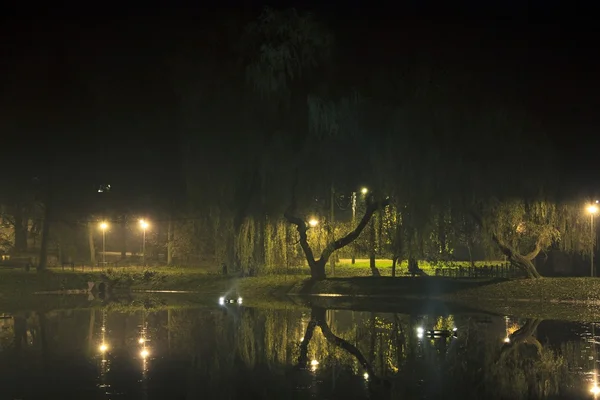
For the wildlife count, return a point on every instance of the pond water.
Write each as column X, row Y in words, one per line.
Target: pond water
column 237, row 352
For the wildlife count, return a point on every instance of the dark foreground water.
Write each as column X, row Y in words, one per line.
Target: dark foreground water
column 236, row 352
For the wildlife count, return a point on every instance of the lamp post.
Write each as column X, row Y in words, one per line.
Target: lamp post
column 592, row 209
column 103, row 226
column 353, row 223
column 144, row 226
column 364, row 191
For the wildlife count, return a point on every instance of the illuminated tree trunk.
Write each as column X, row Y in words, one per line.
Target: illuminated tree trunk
column 43, row 261
column 123, row 228
column 91, row 243
column 170, row 242
column 20, row 227
column 317, row 266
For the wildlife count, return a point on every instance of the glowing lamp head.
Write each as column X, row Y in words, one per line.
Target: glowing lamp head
column 141, row 340
column 239, row 300
column 144, row 353
column 143, row 224
column 592, row 209
column 364, row 190
column 595, row 390
column 366, row 375
column 506, row 340
column 103, row 347
column 314, row 363
column 313, row 222
column 221, row 300
column 103, row 226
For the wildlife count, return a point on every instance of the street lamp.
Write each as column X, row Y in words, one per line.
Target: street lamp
column 364, row 192
column 144, row 226
column 313, row 222
column 592, row 209
column 103, row 226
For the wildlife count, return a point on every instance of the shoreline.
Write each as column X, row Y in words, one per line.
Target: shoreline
column 556, row 298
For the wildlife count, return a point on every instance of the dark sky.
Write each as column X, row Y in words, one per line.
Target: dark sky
column 90, row 87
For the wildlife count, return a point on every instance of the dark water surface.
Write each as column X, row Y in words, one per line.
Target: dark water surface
column 237, row 352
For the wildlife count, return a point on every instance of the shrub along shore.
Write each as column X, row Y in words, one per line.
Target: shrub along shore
column 564, row 298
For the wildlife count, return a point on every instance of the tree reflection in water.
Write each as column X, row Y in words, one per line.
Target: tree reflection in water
column 318, row 319
column 246, row 353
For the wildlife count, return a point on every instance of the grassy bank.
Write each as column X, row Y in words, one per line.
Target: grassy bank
column 17, row 287
column 558, row 298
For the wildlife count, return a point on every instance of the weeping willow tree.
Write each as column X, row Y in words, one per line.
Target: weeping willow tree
column 523, row 230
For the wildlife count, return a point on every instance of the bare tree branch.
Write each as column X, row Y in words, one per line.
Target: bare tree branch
column 352, row 236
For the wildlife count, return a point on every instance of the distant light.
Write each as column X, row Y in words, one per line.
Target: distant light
column 366, row 376
column 143, row 224
column 595, row 390
column 103, row 347
column 221, row 300
column 103, row 226
column 314, row 363
column 592, row 209
column 364, row 190
column 313, row 222
column 141, row 340
column 239, row 300
column 420, row 330
column 144, row 353
column 506, row 340
column 454, row 329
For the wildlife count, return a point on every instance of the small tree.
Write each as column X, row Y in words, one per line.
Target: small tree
column 522, row 230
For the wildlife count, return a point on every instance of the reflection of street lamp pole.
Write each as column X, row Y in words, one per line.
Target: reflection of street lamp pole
column 144, row 226
column 103, row 226
column 592, row 209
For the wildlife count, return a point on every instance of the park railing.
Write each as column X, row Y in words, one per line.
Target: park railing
column 485, row 271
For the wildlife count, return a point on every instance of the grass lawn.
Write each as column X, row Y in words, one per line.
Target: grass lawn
column 558, row 298
column 361, row 267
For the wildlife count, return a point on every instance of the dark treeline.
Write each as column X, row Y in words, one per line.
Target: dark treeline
column 249, row 124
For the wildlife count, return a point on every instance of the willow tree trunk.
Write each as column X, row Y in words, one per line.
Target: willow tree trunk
column 91, row 244
column 43, row 262
column 372, row 244
column 170, row 243
column 442, row 233
column 20, row 229
column 123, row 229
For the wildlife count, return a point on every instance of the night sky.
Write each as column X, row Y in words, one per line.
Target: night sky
column 93, row 96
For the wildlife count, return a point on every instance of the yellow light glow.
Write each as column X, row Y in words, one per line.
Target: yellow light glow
column 314, row 363
column 364, row 190
column 313, row 222
column 103, row 226
column 366, row 375
column 144, row 353
column 506, row 340
column 141, row 340
column 595, row 390
column 592, row 209
column 103, row 347
column 143, row 224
